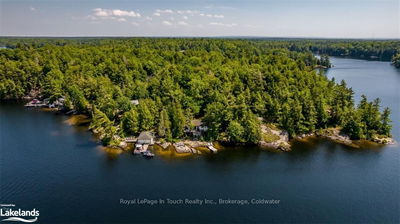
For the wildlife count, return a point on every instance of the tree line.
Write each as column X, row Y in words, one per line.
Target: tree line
column 234, row 86
column 396, row 60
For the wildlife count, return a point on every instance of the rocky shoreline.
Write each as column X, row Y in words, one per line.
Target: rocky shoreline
column 272, row 138
column 189, row 147
column 334, row 134
column 280, row 138
column 183, row 147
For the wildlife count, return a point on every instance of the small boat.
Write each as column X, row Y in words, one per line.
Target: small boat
column 148, row 154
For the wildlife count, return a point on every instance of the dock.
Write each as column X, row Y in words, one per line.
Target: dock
column 35, row 105
column 57, row 104
column 139, row 148
column 130, row 139
column 212, row 148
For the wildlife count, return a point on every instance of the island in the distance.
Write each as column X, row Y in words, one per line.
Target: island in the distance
column 192, row 91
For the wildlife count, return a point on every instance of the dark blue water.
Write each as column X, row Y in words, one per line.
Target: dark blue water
column 61, row 171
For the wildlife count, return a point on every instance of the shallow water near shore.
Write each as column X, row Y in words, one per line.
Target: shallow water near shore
column 62, row 171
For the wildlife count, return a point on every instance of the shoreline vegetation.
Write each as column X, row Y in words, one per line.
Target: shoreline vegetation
column 190, row 92
column 273, row 139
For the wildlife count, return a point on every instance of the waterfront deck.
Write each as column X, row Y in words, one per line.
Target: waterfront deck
column 131, row 139
column 212, row 148
column 35, row 105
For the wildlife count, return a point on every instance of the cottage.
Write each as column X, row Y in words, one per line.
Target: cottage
column 145, row 138
column 197, row 128
column 135, row 102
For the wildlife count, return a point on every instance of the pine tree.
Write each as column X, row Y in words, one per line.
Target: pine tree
column 146, row 118
column 104, row 127
column 164, row 126
column 235, row 132
column 130, row 122
column 385, row 123
column 78, row 99
column 321, row 113
column 177, row 120
column 252, row 129
column 353, row 126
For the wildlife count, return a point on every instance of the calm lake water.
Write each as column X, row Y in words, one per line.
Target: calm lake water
column 61, row 171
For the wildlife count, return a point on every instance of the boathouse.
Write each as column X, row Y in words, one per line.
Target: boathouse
column 145, row 137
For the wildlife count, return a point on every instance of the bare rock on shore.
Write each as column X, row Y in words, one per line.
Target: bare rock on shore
column 123, row 145
column 384, row 140
column 165, row 145
column 180, row 147
column 194, row 144
column 304, row 136
column 335, row 135
column 274, row 138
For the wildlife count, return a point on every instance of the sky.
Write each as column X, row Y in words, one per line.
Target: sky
column 261, row 18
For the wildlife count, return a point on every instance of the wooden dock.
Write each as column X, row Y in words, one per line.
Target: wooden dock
column 130, row 139
column 212, row 148
column 35, row 105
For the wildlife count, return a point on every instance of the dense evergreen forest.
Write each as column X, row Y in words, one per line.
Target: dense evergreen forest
column 234, row 86
column 363, row 49
column 396, row 60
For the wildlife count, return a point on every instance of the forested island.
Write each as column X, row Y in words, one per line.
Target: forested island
column 396, row 60
column 244, row 91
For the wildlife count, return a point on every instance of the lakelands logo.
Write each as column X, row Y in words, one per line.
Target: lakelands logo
column 9, row 213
